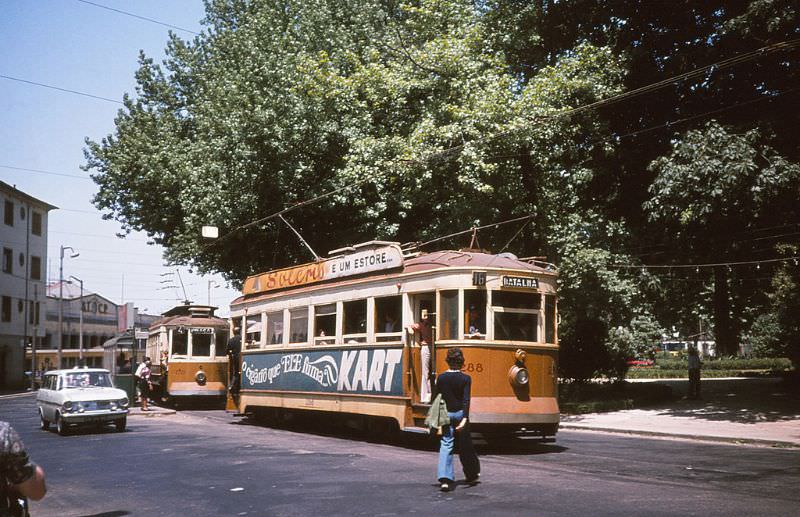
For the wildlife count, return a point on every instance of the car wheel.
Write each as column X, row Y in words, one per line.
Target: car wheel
column 45, row 423
column 61, row 426
column 120, row 424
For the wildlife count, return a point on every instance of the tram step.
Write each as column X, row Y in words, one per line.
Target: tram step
column 415, row 429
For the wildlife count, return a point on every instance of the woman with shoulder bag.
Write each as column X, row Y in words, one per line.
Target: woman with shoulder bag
column 455, row 387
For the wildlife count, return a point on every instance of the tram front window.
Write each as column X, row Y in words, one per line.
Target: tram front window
column 201, row 345
column 221, row 343
column 355, row 321
column 449, row 316
column 475, row 314
column 180, row 342
column 549, row 318
column 516, row 316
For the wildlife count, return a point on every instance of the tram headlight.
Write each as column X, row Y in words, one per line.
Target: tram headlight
column 200, row 377
column 518, row 376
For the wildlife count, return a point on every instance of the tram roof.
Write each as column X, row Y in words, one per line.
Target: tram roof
column 188, row 314
column 464, row 258
column 432, row 261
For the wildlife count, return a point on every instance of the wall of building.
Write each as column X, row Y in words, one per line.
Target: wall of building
column 23, row 251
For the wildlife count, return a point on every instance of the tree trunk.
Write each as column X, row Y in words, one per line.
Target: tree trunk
column 723, row 329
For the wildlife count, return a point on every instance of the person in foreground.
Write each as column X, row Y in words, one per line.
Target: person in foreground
column 19, row 476
column 455, row 386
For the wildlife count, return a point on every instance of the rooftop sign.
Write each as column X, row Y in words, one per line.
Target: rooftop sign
column 360, row 262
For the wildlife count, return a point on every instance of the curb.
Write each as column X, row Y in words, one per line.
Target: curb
column 698, row 437
column 153, row 413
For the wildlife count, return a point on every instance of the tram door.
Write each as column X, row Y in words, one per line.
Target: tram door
column 422, row 352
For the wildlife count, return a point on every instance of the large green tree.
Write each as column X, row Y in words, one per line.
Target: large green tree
column 403, row 106
column 716, row 183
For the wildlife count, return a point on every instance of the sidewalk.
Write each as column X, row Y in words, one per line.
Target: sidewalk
column 740, row 410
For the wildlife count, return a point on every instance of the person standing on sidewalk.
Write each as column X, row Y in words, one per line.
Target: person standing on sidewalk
column 455, row 387
column 694, row 374
column 143, row 379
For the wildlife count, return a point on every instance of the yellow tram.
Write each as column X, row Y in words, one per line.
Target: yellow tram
column 187, row 347
column 337, row 336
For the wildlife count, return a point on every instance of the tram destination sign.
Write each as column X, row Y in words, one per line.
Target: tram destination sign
column 375, row 371
column 357, row 263
column 521, row 281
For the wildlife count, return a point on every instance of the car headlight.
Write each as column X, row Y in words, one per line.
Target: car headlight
column 518, row 376
column 124, row 402
column 67, row 406
column 200, row 377
column 113, row 405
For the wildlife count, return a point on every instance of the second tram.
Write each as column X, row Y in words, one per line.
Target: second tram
column 347, row 335
column 187, row 347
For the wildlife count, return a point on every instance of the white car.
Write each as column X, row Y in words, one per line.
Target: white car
column 80, row 396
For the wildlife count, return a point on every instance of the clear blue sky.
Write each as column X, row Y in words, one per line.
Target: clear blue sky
column 76, row 46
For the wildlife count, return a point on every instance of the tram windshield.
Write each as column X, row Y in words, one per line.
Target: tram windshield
column 201, row 345
column 516, row 316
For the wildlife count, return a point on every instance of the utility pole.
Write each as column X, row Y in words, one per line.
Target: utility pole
column 61, row 300
column 80, row 323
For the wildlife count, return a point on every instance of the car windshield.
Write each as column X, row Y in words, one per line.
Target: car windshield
column 87, row 380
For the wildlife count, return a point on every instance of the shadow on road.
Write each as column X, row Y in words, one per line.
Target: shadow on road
column 345, row 429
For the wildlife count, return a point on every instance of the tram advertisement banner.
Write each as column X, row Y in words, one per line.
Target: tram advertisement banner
column 374, row 371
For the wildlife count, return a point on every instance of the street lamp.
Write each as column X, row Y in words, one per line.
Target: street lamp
column 80, row 322
column 61, row 298
column 215, row 285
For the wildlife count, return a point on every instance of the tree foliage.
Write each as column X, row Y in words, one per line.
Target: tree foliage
column 408, row 120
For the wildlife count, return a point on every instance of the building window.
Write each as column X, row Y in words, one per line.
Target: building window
column 36, row 268
column 33, row 313
column 5, row 311
column 8, row 259
column 36, row 223
column 9, row 213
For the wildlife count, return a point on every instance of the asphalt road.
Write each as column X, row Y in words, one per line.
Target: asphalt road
column 205, row 462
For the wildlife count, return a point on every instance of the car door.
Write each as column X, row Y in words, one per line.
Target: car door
column 44, row 397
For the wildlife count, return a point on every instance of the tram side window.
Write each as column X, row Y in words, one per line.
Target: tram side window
column 325, row 324
column 388, row 319
column 275, row 328
column 355, row 321
column 516, row 316
column 201, row 344
column 475, row 314
column 180, row 342
column 298, row 326
column 253, row 333
column 549, row 318
column 448, row 320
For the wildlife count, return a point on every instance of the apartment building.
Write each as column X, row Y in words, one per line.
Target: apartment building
column 23, row 241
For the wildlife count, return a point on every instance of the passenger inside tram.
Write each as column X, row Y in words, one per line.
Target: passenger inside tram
column 475, row 320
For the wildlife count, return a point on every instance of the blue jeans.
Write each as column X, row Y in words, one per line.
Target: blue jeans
column 445, row 470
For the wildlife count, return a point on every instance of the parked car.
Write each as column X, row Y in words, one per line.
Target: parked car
column 80, row 396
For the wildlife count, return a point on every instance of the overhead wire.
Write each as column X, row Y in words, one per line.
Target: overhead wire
column 151, row 20
column 726, row 63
